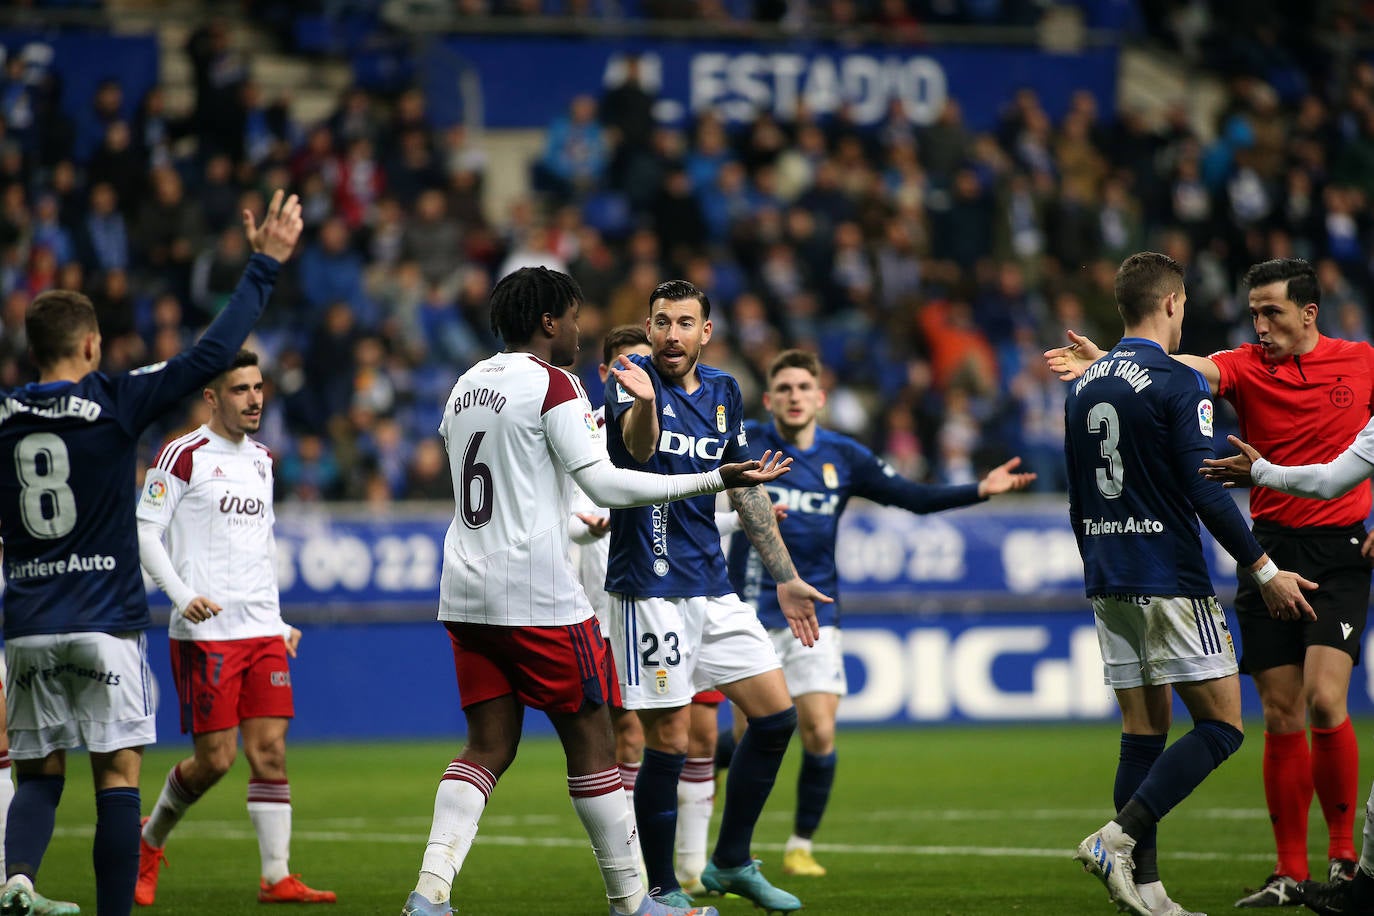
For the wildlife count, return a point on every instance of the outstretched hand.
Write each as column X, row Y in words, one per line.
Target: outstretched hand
column 1234, row 471
column 1002, row 479
column 797, row 600
column 597, row 525
column 280, row 229
column 633, row 379
column 748, row 473
column 1071, row 361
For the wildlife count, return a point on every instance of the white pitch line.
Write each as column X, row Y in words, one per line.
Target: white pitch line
column 221, row 830
column 1039, row 814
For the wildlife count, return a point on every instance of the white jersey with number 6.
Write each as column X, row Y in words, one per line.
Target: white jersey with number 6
column 515, row 428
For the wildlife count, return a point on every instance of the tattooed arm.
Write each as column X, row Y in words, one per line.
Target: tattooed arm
column 796, row 597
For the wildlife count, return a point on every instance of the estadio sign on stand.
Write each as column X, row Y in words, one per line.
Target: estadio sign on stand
column 738, row 80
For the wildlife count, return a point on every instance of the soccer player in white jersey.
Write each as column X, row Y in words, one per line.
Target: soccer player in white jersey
column 587, row 529
column 517, row 427
column 1316, row 481
column 210, row 494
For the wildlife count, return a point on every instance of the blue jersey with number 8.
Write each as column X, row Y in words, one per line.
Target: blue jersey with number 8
column 68, row 481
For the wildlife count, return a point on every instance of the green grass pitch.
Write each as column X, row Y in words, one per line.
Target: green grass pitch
column 973, row 820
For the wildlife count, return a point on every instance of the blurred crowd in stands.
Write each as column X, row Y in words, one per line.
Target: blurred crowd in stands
column 928, row 265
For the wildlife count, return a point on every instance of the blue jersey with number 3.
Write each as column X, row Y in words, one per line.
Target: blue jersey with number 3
column 68, row 485
column 1137, row 426
column 672, row 550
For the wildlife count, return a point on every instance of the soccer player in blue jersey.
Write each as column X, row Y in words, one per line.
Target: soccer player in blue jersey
column 1138, row 425
column 75, row 607
column 827, row 469
column 676, row 625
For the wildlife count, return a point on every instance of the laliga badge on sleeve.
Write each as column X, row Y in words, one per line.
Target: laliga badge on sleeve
column 661, row 680
column 155, row 494
column 1204, row 417
column 721, row 423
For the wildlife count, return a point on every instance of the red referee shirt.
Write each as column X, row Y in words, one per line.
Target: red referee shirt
column 1304, row 410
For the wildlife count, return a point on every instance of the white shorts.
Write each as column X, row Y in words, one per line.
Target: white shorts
column 669, row 649
column 70, row 689
column 812, row 669
column 1152, row 640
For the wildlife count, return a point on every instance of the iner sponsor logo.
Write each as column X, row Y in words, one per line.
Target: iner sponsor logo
column 230, row 504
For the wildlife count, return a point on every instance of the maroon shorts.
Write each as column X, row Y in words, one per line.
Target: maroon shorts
column 221, row 683
column 552, row 669
column 713, row 697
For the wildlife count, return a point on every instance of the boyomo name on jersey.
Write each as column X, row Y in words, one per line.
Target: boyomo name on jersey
column 70, row 406
column 1134, row 374
column 479, row 397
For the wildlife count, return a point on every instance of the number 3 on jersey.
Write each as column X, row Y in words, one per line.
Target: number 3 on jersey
column 47, row 506
column 1102, row 419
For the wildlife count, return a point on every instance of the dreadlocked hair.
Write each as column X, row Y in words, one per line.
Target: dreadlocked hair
column 523, row 297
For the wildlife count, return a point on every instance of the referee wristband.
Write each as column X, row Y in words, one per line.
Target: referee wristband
column 1265, row 573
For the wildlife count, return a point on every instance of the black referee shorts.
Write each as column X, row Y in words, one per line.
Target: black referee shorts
column 1329, row 556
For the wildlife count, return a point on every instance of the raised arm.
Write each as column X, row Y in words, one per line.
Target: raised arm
column 1069, row 362
column 162, row 385
column 639, row 424
column 1314, row 481
column 1204, row 367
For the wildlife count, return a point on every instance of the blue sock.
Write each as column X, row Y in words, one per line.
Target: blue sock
column 115, row 850
column 1138, row 754
column 753, row 770
column 813, row 791
column 656, row 814
column 33, row 811
column 1178, row 771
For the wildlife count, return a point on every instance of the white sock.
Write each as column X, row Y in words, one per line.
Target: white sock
column 1155, row 896
column 696, row 797
column 269, row 807
column 1367, row 846
column 600, row 805
column 629, row 772
column 458, row 806
column 797, row 842
column 6, row 794
column 176, row 797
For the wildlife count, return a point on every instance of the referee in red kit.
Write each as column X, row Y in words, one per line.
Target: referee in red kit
column 1302, row 398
